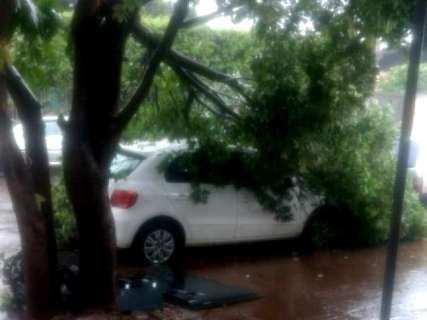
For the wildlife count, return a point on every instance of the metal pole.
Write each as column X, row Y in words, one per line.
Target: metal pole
column 403, row 157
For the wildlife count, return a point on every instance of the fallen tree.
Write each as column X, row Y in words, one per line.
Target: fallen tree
column 283, row 95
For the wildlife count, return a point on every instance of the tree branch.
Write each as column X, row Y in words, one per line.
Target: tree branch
column 180, row 12
column 210, row 109
column 174, row 58
column 201, row 87
column 19, row 90
column 189, row 101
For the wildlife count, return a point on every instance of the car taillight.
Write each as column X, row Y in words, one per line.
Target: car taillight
column 123, row 198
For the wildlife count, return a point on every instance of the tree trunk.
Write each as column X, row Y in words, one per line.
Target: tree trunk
column 29, row 111
column 29, row 184
column 98, row 43
column 87, row 191
column 92, row 133
column 31, row 222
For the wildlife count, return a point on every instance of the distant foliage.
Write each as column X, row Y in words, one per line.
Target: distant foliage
column 43, row 59
column 394, row 80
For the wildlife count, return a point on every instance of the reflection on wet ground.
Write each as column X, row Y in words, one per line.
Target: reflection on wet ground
column 330, row 285
column 324, row 285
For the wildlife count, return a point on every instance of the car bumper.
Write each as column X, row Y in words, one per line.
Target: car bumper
column 126, row 227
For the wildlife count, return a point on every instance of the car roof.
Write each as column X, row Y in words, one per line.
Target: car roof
column 147, row 148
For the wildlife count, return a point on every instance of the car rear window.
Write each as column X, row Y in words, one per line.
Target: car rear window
column 124, row 163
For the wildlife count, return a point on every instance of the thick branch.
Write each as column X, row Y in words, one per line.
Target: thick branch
column 180, row 12
column 174, row 58
column 20, row 91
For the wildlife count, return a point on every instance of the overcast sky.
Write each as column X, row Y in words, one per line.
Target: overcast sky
column 208, row 6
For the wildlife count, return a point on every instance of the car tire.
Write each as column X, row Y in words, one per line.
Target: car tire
column 159, row 241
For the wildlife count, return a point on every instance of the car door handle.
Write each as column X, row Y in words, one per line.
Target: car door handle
column 180, row 195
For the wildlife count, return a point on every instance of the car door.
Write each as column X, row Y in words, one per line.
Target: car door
column 257, row 223
column 211, row 222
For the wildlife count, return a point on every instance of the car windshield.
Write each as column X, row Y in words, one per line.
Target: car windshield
column 124, row 163
column 52, row 128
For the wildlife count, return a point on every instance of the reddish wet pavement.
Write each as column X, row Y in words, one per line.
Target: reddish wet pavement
column 325, row 285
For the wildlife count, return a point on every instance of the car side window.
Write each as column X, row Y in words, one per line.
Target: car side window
column 199, row 167
column 179, row 171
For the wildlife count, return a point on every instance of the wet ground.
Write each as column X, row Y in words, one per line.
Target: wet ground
column 325, row 285
column 336, row 285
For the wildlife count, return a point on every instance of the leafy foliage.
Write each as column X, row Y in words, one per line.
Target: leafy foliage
column 307, row 117
column 309, row 66
column 12, row 271
column 354, row 167
column 65, row 223
column 167, row 112
column 395, row 79
column 36, row 19
column 42, row 56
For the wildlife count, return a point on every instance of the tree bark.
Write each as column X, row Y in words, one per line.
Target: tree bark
column 29, row 112
column 98, row 42
column 92, row 134
column 31, row 221
column 29, row 186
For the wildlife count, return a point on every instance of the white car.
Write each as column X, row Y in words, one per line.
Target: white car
column 155, row 215
column 53, row 138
